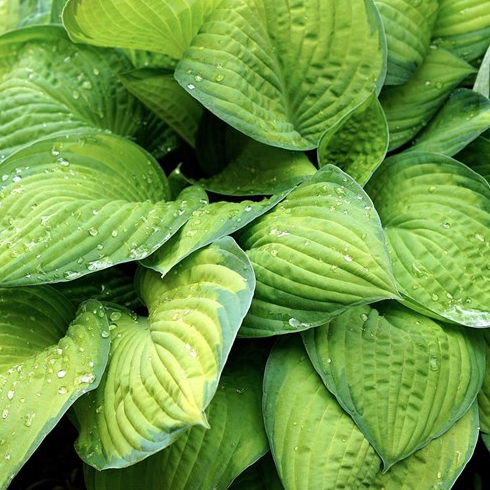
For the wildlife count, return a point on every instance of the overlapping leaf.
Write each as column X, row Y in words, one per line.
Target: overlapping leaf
column 81, row 204
column 358, row 142
column 461, row 119
column 408, row 26
column 153, row 25
column 205, row 458
column 411, row 377
column 435, row 214
column 284, row 75
column 315, row 444
column 49, row 85
column 164, row 369
column 318, row 252
column 206, row 225
column 482, row 81
column 463, row 27
column 44, row 366
column 409, row 107
column 484, row 395
column 477, row 156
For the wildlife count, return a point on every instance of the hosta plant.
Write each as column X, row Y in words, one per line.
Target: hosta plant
column 245, row 244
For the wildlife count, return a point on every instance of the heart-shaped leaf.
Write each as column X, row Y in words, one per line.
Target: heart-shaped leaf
column 205, row 458
column 464, row 116
column 48, row 86
column 317, row 253
column 463, row 27
column 164, row 27
column 44, row 367
column 411, row 377
column 164, row 369
column 484, row 395
column 409, row 107
column 358, row 142
column 284, row 75
column 81, row 204
column 315, row 444
column 408, row 26
column 435, row 213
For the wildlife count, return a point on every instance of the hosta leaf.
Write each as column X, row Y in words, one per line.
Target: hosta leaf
column 317, row 253
column 410, row 380
column 315, row 444
column 435, row 214
column 461, row 119
column 284, row 75
column 44, row 367
column 153, row 25
column 37, row 100
column 164, row 369
column 159, row 91
column 81, row 204
column 409, row 107
column 477, row 156
column 408, row 26
column 484, row 395
column 207, row 224
column 438, row 464
column 9, row 15
column 260, row 476
column 358, row 142
column 482, row 82
column 205, row 458
column 463, row 27
column 113, row 285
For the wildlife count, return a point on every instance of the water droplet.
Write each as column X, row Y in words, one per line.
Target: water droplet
column 296, row 448
column 248, row 208
column 105, row 334
column 62, row 390
column 115, row 316
column 28, row 418
column 114, row 233
column 5, row 413
column 432, row 188
column 435, row 297
column 364, row 317
column 347, row 258
column 433, row 364
column 427, row 83
column 294, row 322
column 198, row 78
column 10, row 394
column 93, row 231
column 61, row 373
column 479, row 237
column 446, row 225
column 191, row 86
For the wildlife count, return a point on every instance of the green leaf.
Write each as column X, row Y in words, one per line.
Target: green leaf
column 437, row 465
column 9, row 15
column 164, row 27
column 50, row 86
column 484, row 395
column 477, row 156
column 408, row 26
column 317, row 253
column 315, row 444
column 44, row 367
column 206, row 225
column 464, row 116
column 482, row 82
column 435, row 213
column 260, row 476
column 205, row 458
column 80, row 204
column 284, row 75
column 410, row 380
column 358, row 142
column 159, row 91
column 164, row 369
column 409, row 107
column 463, row 27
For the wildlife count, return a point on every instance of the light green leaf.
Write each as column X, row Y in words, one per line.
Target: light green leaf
column 164, row 369
column 410, row 380
column 358, row 142
column 284, row 75
column 408, row 26
column 409, row 107
column 153, row 25
column 206, row 225
column 205, row 458
column 317, row 253
column 37, row 100
column 9, row 15
column 159, row 91
column 464, row 116
column 463, row 27
column 435, row 213
column 315, row 444
column 477, row 156
column 438, row 464
column 44, row 367
column 482, row 82
column 484, row 395
column 80, row 204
